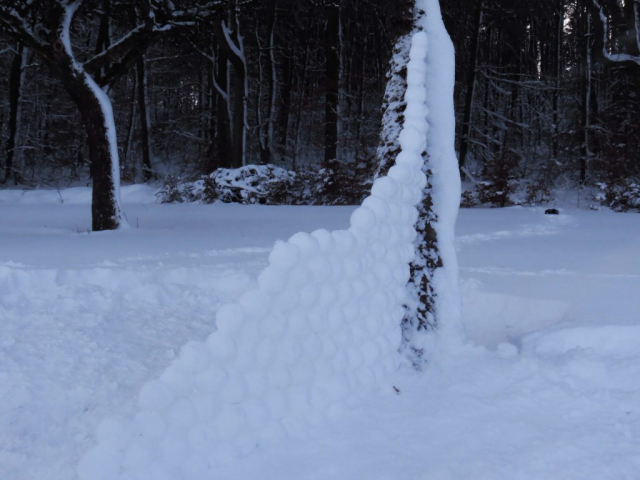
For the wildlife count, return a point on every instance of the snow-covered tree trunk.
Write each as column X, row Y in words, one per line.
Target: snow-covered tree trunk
column 433, row 285
column 97, row 115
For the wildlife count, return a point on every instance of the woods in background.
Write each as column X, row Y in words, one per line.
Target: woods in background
column 547, row 92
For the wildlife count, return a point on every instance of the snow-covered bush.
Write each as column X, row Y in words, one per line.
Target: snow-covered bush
column 174, row 190
column 337, row 184
column 620, row 197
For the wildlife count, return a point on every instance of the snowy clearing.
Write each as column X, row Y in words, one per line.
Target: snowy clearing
column 548, row 386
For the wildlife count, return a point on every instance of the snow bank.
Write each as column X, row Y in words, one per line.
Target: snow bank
column 609, row 340
column 320, row 331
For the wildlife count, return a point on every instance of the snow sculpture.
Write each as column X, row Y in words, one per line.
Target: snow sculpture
column 320, row 331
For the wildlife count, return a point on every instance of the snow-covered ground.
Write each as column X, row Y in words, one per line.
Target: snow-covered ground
column 547, row 387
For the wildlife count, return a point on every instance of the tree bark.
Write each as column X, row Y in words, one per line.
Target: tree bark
column 147, row 171
column 16, row 78
column 332, row 81
column 471, row 87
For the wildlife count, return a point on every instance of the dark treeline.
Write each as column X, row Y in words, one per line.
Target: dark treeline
column 547, row 91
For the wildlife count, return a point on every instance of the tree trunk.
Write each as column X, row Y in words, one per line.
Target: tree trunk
column 16, row 79
column 97, row 115
column 332, row 81
column 471, row 87
column 420, row 312
column 147, row 172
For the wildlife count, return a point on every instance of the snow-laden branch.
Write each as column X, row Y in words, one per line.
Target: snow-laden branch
column 106, row 56
column 618, row 57
column 17, row 26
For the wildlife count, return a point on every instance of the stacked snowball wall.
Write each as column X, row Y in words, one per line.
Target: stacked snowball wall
column 321, row 331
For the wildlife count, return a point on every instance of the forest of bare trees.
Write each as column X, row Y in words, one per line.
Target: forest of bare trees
column 547, row 91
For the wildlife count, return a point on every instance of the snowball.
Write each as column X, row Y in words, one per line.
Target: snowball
column 194, row 357
column 307, row 244
column 155, row 396
column 255, row 303
column 195, row 467
column 284, row 255
column 300, row 275
column 355, row 357
column 273, row 326
column 235, row 389
column 378, row 206
column 303, row 373
column 114, row 432
column 212, row 379
column 378, row 250
column 230, row 318
column 412, row 140
column 149, row 424
column 138, row 454
column 345, row 241
column 324, row 369
column 335, row 319
column 256, row 383
column 289, row 351
column 419, row 45
column 173, row 449
column 345, row 292
column 320, row 269
column 276, row 403
column 181, row 414
column 222, row 347
column 279, row 376
column 363, row 218
column 308, row 296
column 328, row 294
column 230, row 422
column 325, row 240
column 312, row 345
column 415, row 93
column 352, row 267
column 100, row 463
column 298, row 323
column 273, row 280
column 256, row 413
column 385, row 187
column 370, row 351
column 411, row 159
column 401, row 173
column 415, row 79
column 265, row 352
column 337, row 269
column 286, row 300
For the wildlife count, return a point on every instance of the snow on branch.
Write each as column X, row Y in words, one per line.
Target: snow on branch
column 619, row 57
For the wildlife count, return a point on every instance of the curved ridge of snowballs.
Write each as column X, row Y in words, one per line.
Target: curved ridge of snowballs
column 321, row 330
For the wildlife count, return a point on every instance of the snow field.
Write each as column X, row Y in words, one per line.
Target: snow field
column 319, row 332
column 73, row 306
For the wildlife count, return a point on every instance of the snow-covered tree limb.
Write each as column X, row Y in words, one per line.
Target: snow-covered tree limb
column 619, row 57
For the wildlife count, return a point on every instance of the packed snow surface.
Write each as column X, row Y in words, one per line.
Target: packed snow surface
column 547, row 386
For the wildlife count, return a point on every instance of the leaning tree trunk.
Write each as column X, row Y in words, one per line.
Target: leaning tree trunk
column 97, row 115
column 420, row 309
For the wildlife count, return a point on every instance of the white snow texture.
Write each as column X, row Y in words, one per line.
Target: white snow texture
column 320, row 331
column 443, row 163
